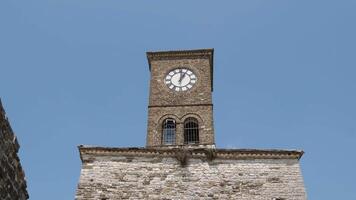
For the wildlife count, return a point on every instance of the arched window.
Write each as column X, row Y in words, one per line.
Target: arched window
column 191, row 131
column 169, row 132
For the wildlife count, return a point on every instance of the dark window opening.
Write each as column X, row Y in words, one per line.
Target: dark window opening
column 169, row 132
column 191, row 131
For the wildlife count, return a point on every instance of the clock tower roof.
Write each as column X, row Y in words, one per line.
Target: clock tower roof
column 181, row 54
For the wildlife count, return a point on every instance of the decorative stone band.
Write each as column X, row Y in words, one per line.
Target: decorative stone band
column 196, row 53
column 158, row 55
column 181, row 105
column 86, row 153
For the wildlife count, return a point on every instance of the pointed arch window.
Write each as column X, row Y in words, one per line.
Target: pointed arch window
column 191, row 131
column 169, row 131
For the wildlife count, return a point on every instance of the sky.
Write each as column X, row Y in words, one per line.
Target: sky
column 75, row 72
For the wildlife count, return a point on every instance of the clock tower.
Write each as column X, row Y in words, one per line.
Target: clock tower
column 180, row 110
column 180, row 160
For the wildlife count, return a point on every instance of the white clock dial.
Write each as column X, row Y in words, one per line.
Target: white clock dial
column 180, row 79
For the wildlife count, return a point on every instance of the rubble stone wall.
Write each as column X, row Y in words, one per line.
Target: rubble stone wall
column 12, row 178
column 110, row 176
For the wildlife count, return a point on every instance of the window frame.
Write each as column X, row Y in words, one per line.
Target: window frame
column 191, row 131
column 169, row 133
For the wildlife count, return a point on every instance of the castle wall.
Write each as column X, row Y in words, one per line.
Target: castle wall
column 12, row 178
column 153, row 175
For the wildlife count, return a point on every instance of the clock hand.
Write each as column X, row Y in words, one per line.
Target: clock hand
column 181, row 77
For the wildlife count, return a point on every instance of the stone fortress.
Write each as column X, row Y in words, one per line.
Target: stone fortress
column 180, row 160
column 12, row 177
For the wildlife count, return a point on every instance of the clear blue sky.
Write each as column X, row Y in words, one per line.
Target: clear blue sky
column 75, row 72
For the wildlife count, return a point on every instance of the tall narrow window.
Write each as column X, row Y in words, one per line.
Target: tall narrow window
column 191, row 131
column 169, row 132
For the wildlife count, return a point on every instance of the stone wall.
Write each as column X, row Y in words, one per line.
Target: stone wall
column 196, row 102
column 109, row 174
column 12, row 177
column 200, row 93
column 203, row 114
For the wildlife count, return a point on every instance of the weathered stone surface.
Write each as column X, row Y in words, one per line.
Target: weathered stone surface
column 12, row 178
column 138, row 173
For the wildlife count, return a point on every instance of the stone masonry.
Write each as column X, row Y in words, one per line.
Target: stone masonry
column 12, row 177
column 165, row 103
column 174, row 174
column 202, row 113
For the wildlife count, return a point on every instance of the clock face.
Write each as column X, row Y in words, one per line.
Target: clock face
column 180, row 79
